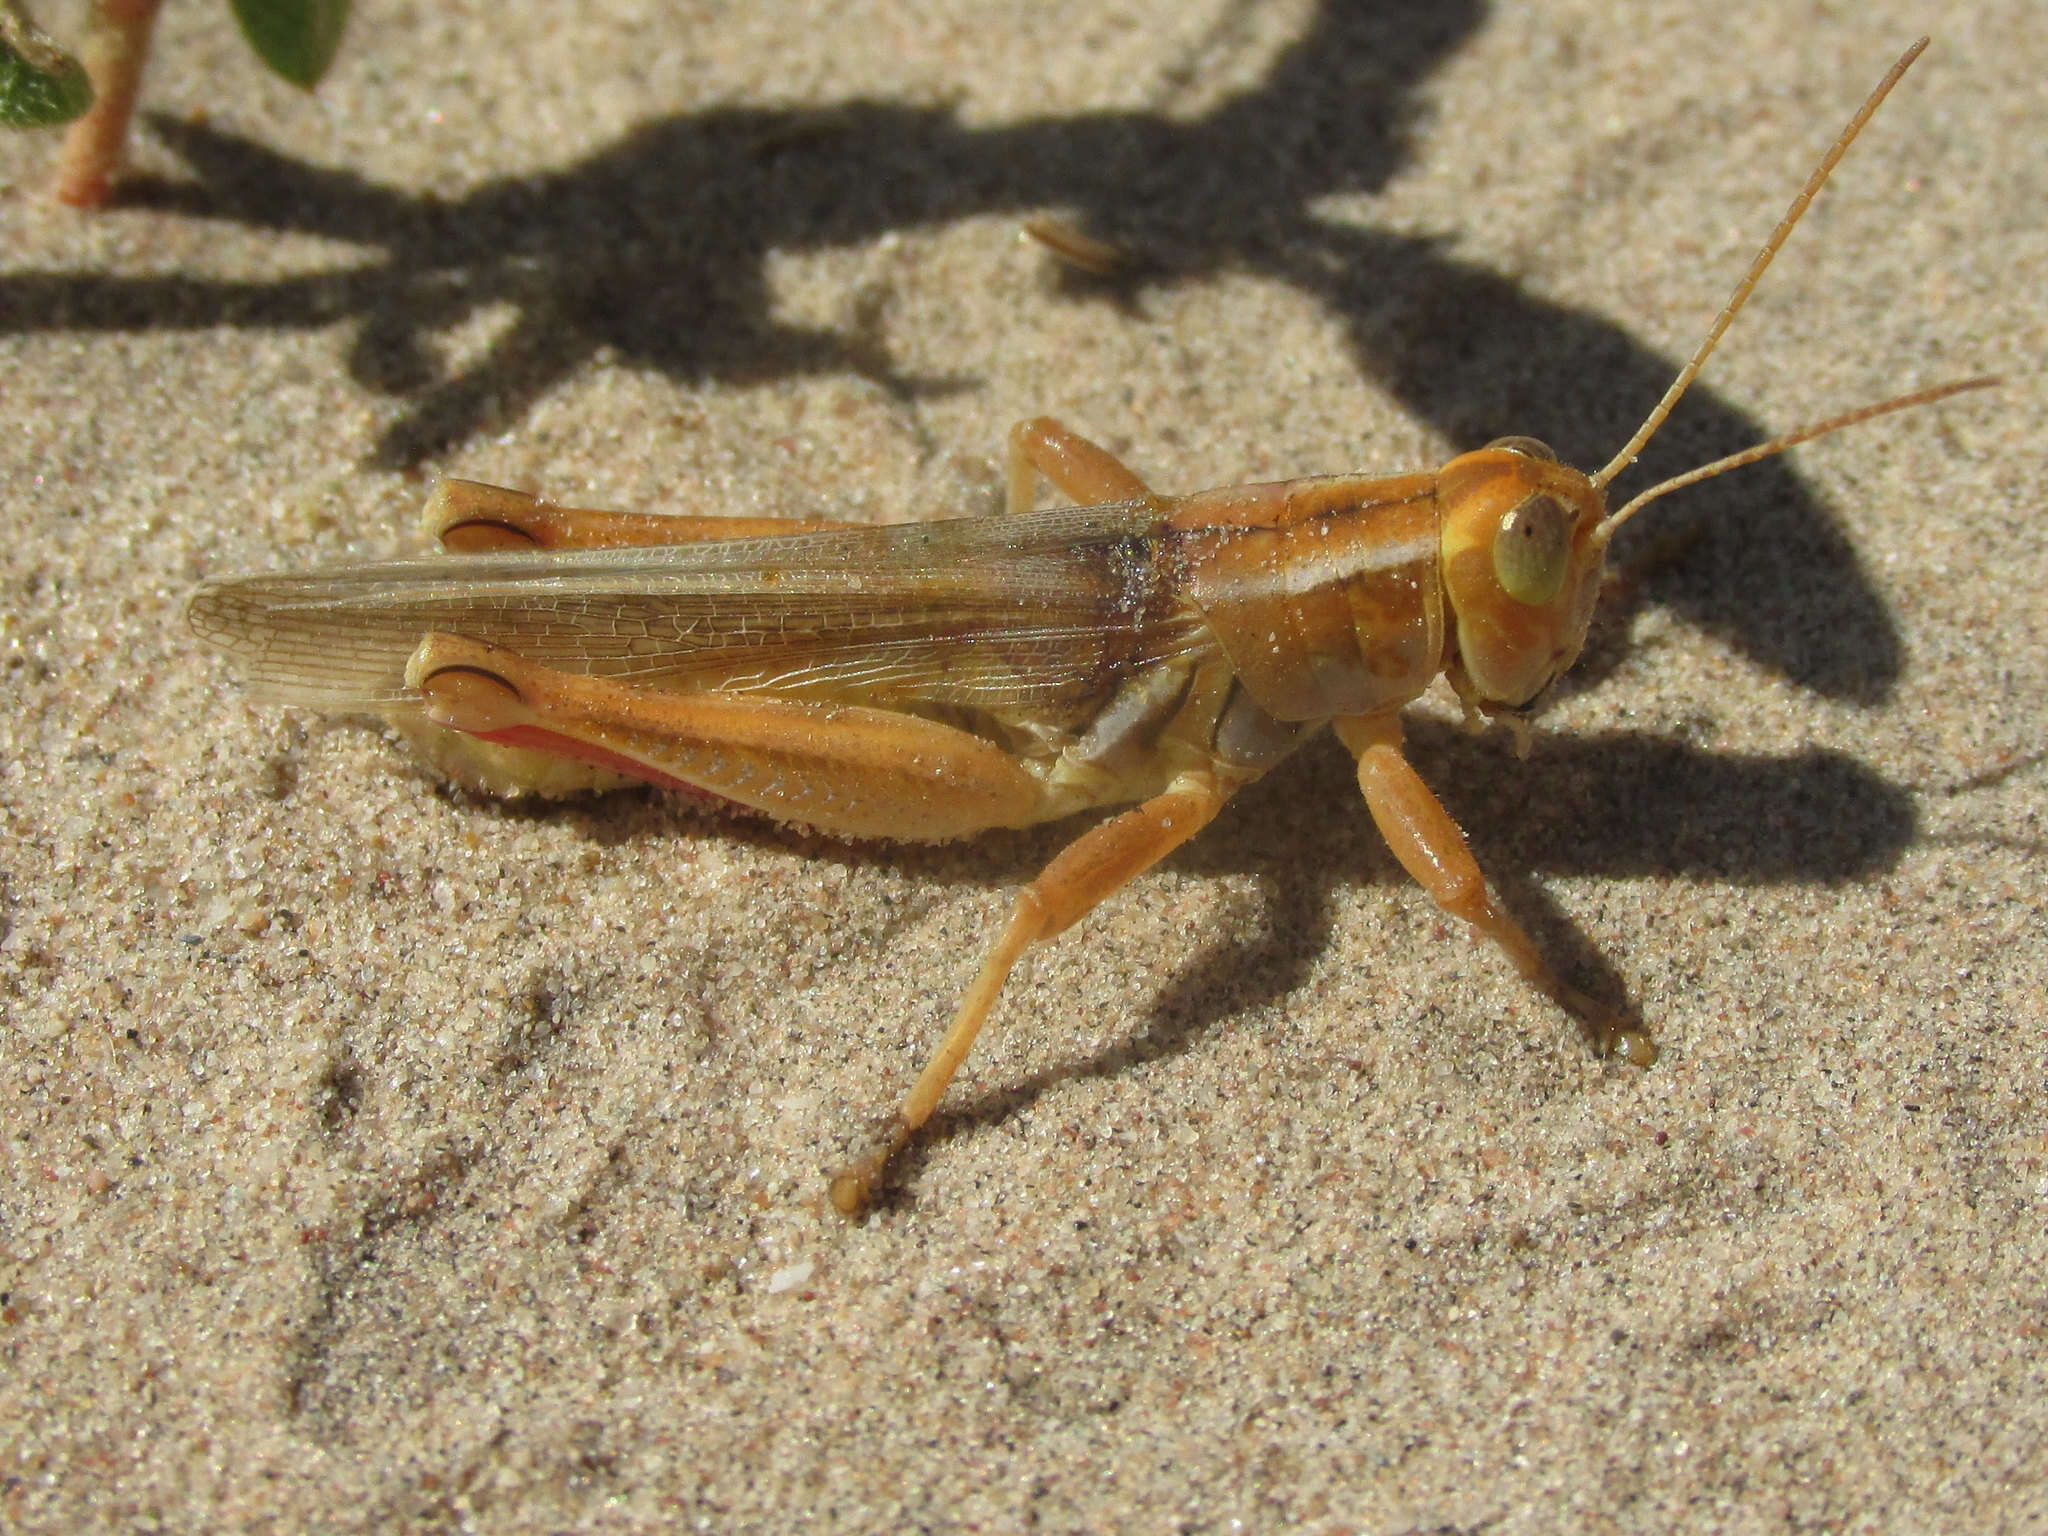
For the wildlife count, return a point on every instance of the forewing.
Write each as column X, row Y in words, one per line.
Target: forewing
column 1041, row 611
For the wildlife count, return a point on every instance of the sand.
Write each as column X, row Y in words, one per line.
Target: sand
column 381, row 1157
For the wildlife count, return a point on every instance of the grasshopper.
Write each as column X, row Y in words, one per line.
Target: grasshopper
column 929, row 681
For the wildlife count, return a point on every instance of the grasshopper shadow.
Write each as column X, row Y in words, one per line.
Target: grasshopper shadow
column 655, row 251
column 1614, row 804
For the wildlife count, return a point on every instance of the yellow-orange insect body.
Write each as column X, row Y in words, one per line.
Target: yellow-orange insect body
column 935, row 680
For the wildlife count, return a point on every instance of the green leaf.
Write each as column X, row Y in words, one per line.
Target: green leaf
column 296, row 38
column 40, row 84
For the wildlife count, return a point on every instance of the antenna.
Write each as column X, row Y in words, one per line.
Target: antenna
column 1736, row 300
column 1776, row 445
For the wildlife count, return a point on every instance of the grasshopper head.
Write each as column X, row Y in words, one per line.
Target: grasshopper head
column 1522, row 556
column 1525, row 537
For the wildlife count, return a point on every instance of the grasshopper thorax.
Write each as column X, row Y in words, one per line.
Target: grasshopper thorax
column 1522, row 556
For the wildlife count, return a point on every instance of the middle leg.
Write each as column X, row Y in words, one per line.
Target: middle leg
column 1094, row 866
column 1088, row 472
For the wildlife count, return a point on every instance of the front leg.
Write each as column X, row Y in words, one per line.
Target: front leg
column 1430, row 847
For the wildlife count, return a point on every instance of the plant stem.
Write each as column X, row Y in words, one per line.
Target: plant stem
column 116, row 48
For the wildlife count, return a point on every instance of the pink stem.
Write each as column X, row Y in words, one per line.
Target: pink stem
column 116, row 48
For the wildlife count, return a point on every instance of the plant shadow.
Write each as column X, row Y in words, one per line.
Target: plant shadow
column 654, row 251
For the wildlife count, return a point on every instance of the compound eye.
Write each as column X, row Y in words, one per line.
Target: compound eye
column 1532, row 552
column 1527, row 447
